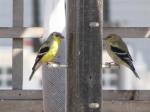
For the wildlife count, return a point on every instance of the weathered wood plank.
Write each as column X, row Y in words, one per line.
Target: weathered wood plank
column 126, row 95
column 21, row 95
column 126, row 106
column 129, row 32
column 17, row 63
column 108, row 106
column 21, row 106
column 23, row 32
column 17, row 52
column 108, row 95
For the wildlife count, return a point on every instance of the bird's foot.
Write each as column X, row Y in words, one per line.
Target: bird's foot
column 53, row 62
column 110, row 64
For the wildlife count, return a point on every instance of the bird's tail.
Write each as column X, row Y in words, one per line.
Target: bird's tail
column 131, row 66
column 136, row 74
column 134, row 71
column 33, row 71
column 35, row 67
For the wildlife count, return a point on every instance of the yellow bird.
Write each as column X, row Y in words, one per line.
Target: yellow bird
column 47, row 51
column 118, row 51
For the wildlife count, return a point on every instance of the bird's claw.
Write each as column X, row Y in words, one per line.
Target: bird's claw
column 53, row 62
column 109, row 64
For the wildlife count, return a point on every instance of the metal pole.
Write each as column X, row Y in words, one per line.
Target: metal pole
column 84, row 32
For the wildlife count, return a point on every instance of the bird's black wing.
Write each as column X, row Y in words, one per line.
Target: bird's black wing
column 123, row 55
column 42, row 51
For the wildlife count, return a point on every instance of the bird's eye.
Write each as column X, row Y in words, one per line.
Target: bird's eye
column 109, row 37
column 57, row 35
column 52, row 35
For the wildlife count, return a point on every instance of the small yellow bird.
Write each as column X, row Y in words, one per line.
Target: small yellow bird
column 47, row 51
column 118, row 51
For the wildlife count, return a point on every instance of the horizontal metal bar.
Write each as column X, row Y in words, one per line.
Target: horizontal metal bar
column 128, row 32
column 108, row 95
column 65, row 66
column 31, row 32
column 110, row 65
column 54, row 65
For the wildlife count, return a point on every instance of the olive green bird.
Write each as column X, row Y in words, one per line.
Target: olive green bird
column 118, row 51
column 47, row 51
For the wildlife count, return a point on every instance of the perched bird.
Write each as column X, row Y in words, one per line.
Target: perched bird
column 47, row 51
column 118, row 51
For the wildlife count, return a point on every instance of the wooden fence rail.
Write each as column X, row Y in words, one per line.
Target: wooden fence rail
column 23, row 32
column 37, row 32
column 113, row 101
column 108, row 95
column 17, row 51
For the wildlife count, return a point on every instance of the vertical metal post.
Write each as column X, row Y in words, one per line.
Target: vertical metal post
column 17, row 52
column 84, row 32
column 36, row 22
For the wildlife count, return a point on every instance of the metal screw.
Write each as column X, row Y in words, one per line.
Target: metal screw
column 94, row 105
column 94, row 24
